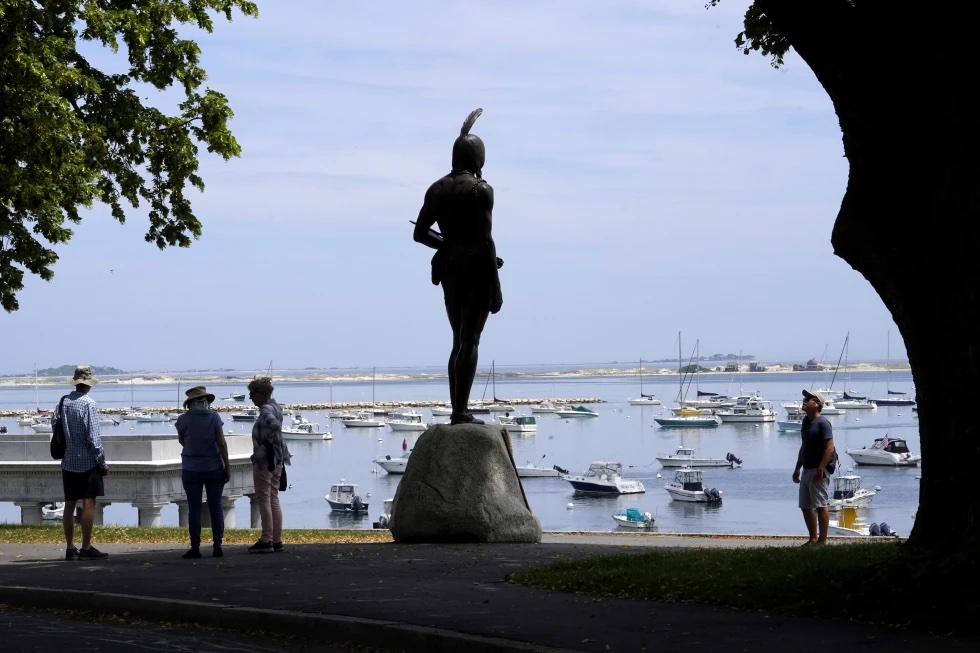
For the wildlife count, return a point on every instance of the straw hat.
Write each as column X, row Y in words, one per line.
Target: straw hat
column 198, row 391
column 83, row 376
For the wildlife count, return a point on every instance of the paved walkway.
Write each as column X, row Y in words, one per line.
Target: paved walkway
column 424, row 597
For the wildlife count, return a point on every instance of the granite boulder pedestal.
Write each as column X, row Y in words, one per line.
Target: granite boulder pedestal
column 461, row 485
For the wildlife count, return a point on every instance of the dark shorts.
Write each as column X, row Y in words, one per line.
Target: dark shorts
column 82, row 485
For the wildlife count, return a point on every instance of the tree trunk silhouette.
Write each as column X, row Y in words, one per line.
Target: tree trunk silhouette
column 900, row 84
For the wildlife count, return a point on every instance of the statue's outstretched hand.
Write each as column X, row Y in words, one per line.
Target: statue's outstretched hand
column 500, row 262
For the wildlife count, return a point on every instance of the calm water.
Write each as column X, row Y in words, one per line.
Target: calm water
column 759, row 497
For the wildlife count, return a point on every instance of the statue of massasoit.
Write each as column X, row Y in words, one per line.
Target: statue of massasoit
column 465, row 262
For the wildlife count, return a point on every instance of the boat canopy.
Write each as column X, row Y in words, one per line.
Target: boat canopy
column 633, row 514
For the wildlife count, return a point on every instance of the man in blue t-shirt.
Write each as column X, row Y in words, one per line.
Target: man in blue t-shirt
column 816, row 451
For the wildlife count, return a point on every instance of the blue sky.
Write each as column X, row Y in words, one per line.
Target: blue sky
column 649, row 179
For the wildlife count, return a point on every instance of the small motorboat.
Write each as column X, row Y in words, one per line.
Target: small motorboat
column 886, row 451
column 685, row 457
column 848, row 524
column 531, row 470
column 406, row 421
column 246, row 416
column 604, row 477
column 362, row 420
column 384, row 521
column 343, row 497
column 394, row 464
column 576, row 411
column 688, row 485
column 303, row 429
column 633, row 518
column 849, row 493
column 53, row 510
column 519, row 423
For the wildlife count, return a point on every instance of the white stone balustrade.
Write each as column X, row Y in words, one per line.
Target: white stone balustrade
column 144, row 471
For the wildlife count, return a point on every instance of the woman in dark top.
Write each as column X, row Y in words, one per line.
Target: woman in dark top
column 204, row 466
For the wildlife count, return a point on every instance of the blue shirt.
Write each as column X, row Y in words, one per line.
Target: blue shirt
column 199, row 429
column 83, row 436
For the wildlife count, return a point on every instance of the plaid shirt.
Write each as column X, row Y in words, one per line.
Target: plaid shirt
column 82, row 433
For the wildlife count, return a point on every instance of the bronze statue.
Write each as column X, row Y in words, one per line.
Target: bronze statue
column 465, row 262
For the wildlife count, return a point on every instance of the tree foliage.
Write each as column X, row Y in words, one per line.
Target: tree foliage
column 72, row 135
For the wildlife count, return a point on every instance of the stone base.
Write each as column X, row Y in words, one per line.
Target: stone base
column 460, row 485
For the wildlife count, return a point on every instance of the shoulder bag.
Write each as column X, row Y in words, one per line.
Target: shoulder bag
column 58, row 444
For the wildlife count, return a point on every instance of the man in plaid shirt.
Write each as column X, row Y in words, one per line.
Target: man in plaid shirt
column 84, row 464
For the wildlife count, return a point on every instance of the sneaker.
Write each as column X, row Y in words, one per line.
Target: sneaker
column 71, row 554
column 261, row 547
column 216, row 552
column 277, row 546
column 193, row 552
column 91, row 553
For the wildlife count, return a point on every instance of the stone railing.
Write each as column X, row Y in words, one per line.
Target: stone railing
column 144, row 471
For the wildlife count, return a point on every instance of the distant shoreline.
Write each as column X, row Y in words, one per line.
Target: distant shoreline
column 219, row 378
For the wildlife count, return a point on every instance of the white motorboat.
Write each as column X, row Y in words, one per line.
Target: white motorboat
column 384, row 521
column 303, row 429
column 339, row 413
column 237, row 396
column 53, row 510
column 849, row 493
column 789, row 424
column 685, row 457
column 394, row 464
column 152, row 417
column 442, row 411
column 604, row 477
column 749, row 408
column 520, row 423
column 343, row 497
column 633, row 518
column 362, row 420
column 645, row 400
column 28, row 419
column 409, row 421
column 688, row 485
column 576, row 411
column 886, row 451
column 847, row 524
column 689, row 418
column 107, row 420
column 246, row 416
column 531, row 470
column 856, row 404
column 41, row 427
column 132, row 415
column 709, row 401
column 544, row 407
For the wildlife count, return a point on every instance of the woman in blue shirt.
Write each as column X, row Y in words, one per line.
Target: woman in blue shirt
column 204, row 466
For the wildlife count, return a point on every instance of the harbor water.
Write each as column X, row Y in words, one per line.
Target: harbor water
column 759, row 497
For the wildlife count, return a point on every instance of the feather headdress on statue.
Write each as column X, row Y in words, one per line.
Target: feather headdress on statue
column 469, row 153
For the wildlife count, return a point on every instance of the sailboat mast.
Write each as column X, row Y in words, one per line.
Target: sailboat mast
column 680, row 376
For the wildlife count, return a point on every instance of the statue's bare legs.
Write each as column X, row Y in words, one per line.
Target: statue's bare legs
column 467, row 323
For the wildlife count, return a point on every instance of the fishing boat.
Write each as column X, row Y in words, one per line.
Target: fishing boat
column 343, row 497
column 532, row 470
column 848, row 492
column 633, row 518
column 604, row 477
column 303, row 429
column 519, row 423
column 688, row 485
column 685, row 457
